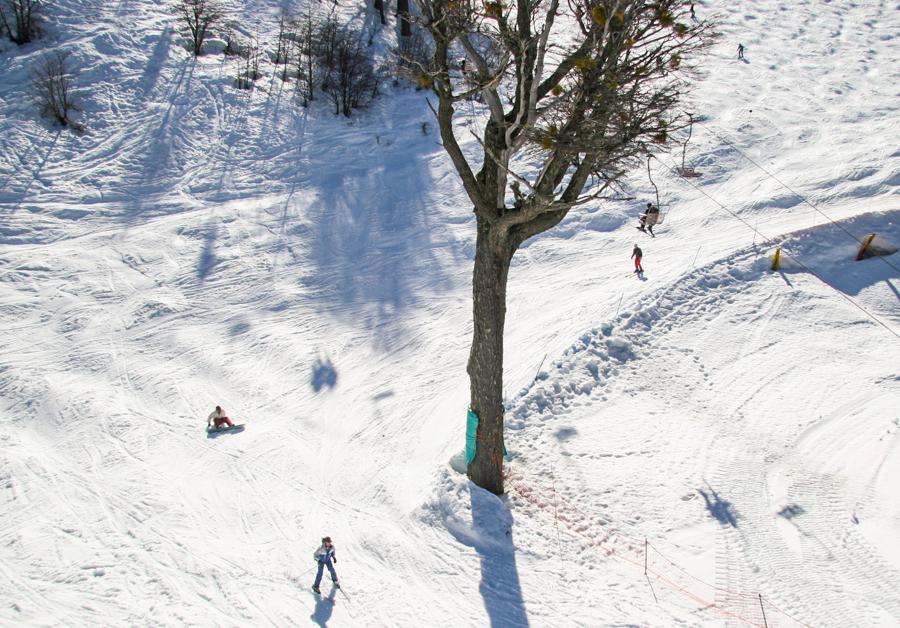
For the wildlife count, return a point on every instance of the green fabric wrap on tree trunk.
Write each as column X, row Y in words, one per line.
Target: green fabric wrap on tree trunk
column 472, row 436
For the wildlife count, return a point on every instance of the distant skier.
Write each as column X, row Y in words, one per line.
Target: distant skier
column 740, row 51
column 693, row 15
column 649, row 218
column 325, row 556
column 218, row 418
column 637, row 254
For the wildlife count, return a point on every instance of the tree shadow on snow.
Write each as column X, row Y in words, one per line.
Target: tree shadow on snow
column 323, row 374
column 157, row 61
column 720, row 509
column 154, row 158
column 372, row 249
column 207, row 259
column 491, row 538
column 35, row 175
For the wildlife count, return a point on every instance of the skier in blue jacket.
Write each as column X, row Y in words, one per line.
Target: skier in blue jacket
column 325, row 556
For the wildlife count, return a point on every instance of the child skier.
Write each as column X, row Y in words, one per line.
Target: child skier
column 217, row 419
column 637, row 254
column 324, row 556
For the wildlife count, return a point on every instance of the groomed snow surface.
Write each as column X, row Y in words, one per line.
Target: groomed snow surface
column 732, row 430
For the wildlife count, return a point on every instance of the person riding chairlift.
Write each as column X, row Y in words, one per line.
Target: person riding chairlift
column 649, row 218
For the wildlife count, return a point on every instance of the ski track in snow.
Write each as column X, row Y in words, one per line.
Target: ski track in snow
column 202, row 245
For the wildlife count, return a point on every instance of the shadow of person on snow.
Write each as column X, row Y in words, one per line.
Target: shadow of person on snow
column 324, row 608
column 720, row 509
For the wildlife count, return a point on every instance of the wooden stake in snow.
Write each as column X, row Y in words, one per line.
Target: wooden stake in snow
column 865, row 246
column 765, row 623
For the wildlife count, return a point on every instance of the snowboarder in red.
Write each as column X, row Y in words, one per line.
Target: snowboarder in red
column 637, row 254
column 218, row 418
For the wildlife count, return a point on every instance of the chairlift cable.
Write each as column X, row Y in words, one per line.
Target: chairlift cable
column 800, row 196
column 794, row 257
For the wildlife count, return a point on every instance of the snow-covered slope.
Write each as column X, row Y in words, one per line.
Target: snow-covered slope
column 203, row 245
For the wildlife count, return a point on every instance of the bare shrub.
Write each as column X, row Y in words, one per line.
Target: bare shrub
column 352, row 80
column 306, row 51
column 325, row 42
column 51, row 85
column 411, row 60
column 199, row 15
column 19, row 18
column 283, row 45
column 248, row 70
column 234, row 46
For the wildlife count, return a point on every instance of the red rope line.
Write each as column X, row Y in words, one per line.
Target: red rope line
column 595, row 544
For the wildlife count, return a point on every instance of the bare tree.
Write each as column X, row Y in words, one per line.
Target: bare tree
column 577, row 92
column 411, row 59
column 199, row 15
column 283, row 46
column 306, row 57
column 248, row 70
column 353, row 82
column 328, row 35
column 19, row 18
column 51, row 86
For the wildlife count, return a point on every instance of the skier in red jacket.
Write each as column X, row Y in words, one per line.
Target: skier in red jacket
column 637, row 254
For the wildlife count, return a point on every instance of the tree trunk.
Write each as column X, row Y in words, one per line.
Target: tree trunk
column 403, row 12
column 492, row 258
column 379, row 6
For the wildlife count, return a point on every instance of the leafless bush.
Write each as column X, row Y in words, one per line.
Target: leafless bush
column 283, row 45
column 19, row 18
column 51, row 84
column 325, row 43
column 305, row 47
column 248, row 70
column 234, row 46
column 411, row 60
column 352, row 81
column 199, row 15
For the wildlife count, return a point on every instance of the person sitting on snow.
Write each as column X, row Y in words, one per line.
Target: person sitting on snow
column 324, row 556
column 218, row 418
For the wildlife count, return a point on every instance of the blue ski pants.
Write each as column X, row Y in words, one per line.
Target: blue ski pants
column 331, row 570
